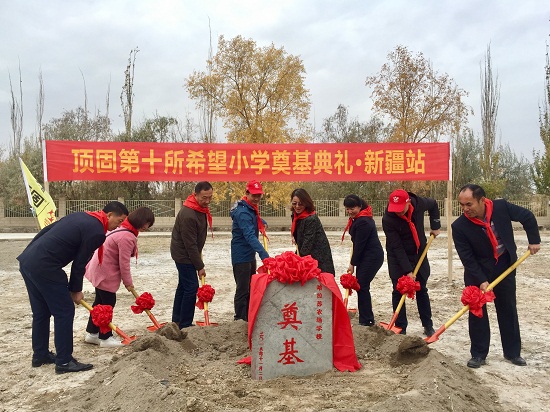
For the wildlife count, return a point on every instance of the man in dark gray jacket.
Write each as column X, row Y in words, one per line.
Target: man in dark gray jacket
column 188, row 239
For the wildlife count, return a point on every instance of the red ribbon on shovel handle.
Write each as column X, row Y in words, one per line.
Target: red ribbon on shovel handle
column 125, row 338
column 465, row 308
column 155, row 325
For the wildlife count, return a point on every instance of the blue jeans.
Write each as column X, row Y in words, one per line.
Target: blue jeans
column 186, row 295
column 49, row 299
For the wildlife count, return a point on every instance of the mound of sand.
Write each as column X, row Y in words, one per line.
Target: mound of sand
column 197, row 370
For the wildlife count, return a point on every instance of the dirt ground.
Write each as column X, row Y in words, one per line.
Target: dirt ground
column 198, row 371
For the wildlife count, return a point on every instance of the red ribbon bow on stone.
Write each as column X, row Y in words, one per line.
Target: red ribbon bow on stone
column 288, row 267
column 143, row 302
column 102, row 315
column 407, row 285
column 475, row 298
column 348, row 281
column 204, row 294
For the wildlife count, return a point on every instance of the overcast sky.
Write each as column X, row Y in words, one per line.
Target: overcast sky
column 339, row 42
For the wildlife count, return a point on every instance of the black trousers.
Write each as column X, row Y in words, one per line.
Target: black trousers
column 365, row 273
column 507, row 316
column 422, row 299
column 102, row 297
column 242, row 273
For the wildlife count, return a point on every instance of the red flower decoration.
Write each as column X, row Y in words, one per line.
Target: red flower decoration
column 204, row 294
column 475, row 298
column 144, row 302
column 407, row 285
column 288, row 267
column 102, row 315
column 348, row 281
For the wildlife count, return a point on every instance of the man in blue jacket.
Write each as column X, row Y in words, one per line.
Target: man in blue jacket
column 73, row 238
column 484, row 240
column 247, row 224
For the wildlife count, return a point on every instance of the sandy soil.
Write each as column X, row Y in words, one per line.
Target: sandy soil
column 198, row 371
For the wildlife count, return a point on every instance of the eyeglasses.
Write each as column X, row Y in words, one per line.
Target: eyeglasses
column 297, row 204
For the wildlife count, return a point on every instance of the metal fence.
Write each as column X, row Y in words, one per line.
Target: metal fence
column 167, row 208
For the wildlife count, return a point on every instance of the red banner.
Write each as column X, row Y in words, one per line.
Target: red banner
column 138, row 161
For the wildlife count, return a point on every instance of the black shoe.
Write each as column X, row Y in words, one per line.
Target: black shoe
column 429, row 331
column 73, row 366
column 369, row 323
column 475, row 362
column 518, row 360
column 36, row 361
column 403, row 332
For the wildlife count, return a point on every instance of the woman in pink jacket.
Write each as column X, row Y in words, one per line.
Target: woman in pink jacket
column 110, row 265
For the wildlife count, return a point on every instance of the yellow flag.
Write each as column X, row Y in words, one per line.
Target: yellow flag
column 42, row 204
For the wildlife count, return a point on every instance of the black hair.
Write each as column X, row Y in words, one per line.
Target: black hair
column 117, row 208
column 477, row 191
column 354, row 201
column 305, row 199
column 202, row 186
column 141, row 216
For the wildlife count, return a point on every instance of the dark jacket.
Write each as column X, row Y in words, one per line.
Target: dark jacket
column 400, row 246
column 74, row 238
column 367, row 249
column 474, row 247
column 245, row 243
column 311, row 239
column 188, row 237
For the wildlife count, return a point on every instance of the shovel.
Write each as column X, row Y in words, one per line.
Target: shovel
column 155, row 324
column 391, row 326
column 206, row 317
column 465, row 308
column 126, row 340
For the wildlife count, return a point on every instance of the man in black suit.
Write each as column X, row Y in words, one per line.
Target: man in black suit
column 484, row 239
column 403, row 224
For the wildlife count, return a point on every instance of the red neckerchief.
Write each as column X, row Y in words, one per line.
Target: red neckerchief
column 261, row 227
column 128, row 226
column 191, row 203
column 296, row 217
column 102, row 217
column 487, row 225
column 412, row 226
column 365, row 212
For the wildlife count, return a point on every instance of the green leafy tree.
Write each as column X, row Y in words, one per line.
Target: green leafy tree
column 490, row 97
column 339, row 128
column 419, row 103
column 541, row 164
column 79, row 125
column 465, row 153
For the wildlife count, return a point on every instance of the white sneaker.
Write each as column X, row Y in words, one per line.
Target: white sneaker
column 92, row 338
column 110, row 342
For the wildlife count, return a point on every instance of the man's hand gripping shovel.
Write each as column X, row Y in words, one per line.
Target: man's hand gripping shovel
column 465, row 308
